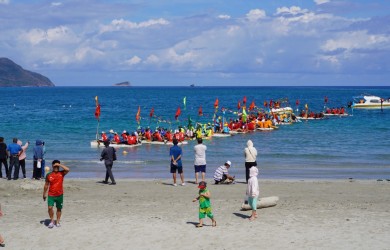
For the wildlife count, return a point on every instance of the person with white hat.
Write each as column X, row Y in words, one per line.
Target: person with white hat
column 222, row 176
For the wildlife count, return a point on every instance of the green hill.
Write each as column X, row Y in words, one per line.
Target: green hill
column 13, row 75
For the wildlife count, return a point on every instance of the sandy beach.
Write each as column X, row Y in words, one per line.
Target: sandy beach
column 153, row 214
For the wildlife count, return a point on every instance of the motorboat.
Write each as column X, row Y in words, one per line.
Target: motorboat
column 370, row 102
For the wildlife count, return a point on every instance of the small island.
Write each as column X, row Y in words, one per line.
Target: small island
column 13, row 75
column 122, row 84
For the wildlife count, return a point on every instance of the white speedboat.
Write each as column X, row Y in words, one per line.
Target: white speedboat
column 370, row 102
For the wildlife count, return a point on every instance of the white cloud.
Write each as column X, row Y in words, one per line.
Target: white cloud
column 56, row 4
column 224, row 17
column 152, row 59
column 255, row 15
column 293, row 10
column 133, row 61
column 4, row 1
column 121, row 24
column 318, row 2
column 87, row 52
column 62, row 34
column 356, row 40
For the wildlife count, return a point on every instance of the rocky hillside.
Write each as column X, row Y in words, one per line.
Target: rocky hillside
column 13, row 75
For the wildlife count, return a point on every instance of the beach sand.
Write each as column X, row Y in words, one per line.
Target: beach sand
column 153, row 214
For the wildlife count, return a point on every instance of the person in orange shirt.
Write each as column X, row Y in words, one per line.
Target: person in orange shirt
column 54, row 183
column 104, row 136
column 117, row 139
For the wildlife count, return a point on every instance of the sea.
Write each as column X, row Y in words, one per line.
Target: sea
column 353, row 147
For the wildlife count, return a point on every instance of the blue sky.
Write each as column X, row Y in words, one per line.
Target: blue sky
column 220, row 43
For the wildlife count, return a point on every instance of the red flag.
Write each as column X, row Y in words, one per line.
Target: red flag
column 151, row 112
column 178, row 112
column 97, row 110
column 252, row 106
column 138, row 115
column 239, row 105
column 216, row 103
column 200, row 111
column 244, row 100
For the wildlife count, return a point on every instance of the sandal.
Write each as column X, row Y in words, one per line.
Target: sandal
column 199, row 225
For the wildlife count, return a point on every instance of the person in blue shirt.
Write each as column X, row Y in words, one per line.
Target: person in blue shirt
column 14, row 150
column 175, row 152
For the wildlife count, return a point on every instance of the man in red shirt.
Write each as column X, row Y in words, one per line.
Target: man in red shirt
column 54, row 183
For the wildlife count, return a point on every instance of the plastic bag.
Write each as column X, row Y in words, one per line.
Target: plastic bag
column 39, row 164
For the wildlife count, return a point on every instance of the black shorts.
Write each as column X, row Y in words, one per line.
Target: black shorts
column 200, row 168
column 175, row 168
column 224, row 177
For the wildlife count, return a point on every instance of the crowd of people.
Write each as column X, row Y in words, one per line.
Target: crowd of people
column 13, row 159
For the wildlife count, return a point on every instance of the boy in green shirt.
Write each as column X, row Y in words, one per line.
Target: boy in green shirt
column 204, row 204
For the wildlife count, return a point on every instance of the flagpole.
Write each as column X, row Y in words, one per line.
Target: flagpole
column 97, row 130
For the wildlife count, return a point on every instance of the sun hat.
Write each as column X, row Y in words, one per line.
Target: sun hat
column 228, row 163
column 111, row 131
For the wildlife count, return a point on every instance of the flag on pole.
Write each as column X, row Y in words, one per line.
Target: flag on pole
column 239, row 105
column 178, row 112
column 244, row 115
column 200, row 111
column 252, row 106
column 97, row 110
column 216, row 103
column 244, row 100
column 138, row 115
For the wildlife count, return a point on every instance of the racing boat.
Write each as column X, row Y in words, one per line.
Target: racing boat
column 99, row 144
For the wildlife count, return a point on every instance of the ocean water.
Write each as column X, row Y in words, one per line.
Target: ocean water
column 356, row 146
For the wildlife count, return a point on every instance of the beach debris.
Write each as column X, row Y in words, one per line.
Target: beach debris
column 262, row 203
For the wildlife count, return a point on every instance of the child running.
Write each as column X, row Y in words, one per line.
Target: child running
column 252, row 191
column 204, row 204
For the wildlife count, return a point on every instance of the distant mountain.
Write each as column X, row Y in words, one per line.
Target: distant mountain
column 13, row 75
column 123, row 84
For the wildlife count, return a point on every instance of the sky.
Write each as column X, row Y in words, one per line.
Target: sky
column 201, row 42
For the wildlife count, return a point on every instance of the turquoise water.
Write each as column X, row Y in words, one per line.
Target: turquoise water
column 356, row 146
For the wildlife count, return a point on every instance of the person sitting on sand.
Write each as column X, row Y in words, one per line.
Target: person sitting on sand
column 221, row 175
column 204, row 204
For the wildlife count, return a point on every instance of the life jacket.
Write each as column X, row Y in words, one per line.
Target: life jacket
column 124, row 136
column 131, row 140
column 181, row 136
column 117, row 139
column 104, row 137
column 157, row 136
column 199, row 134
column 169, row 136
column 148, row 135
column 251, row 126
